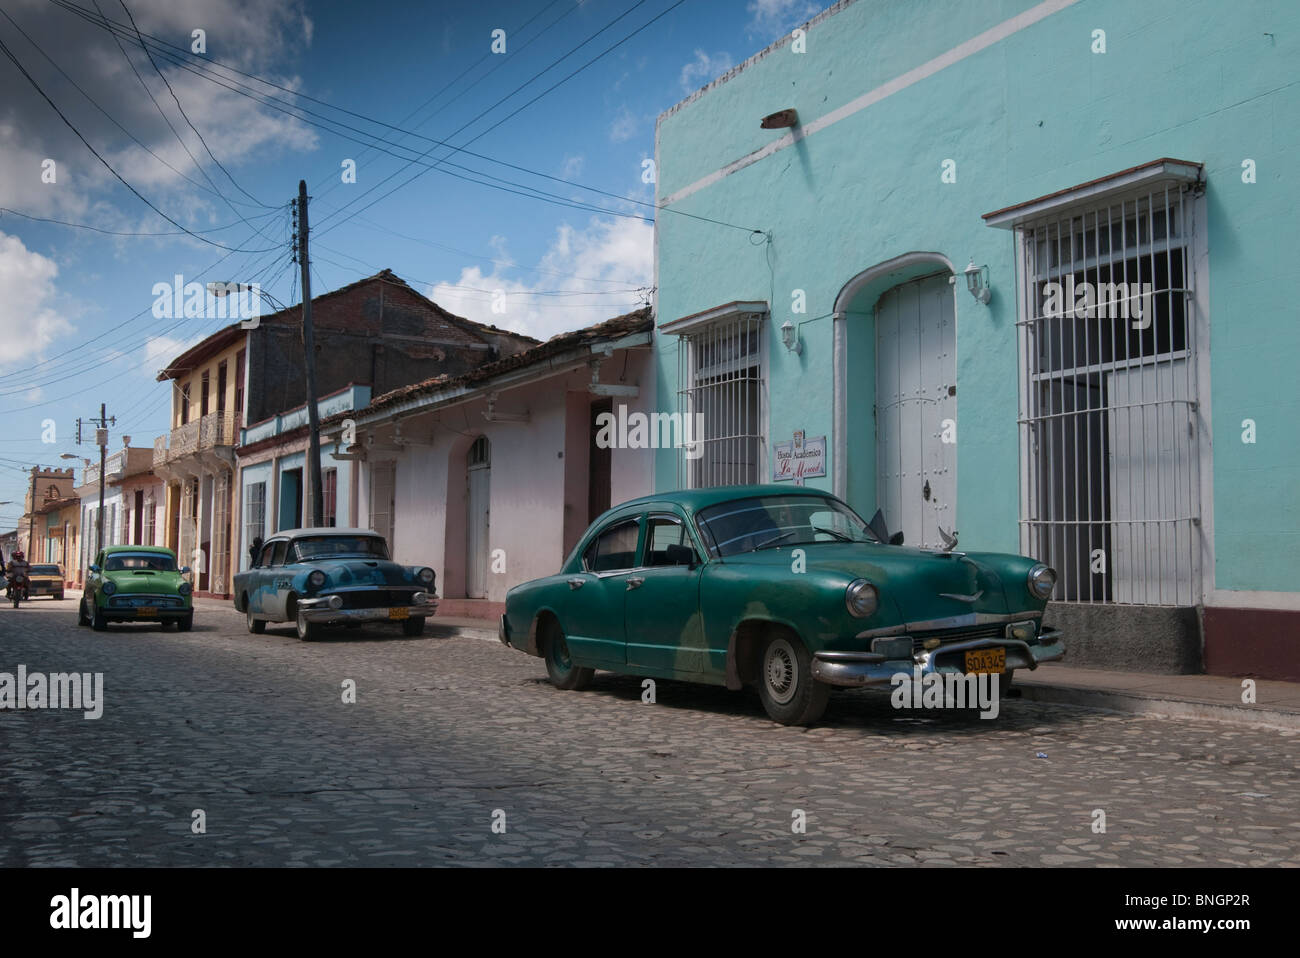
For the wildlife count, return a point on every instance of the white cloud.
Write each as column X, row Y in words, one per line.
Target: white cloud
column 773, row 18
column 600, row 262
column 624, row 126
column 28, row 319
column 572, row 166
column 704, row 69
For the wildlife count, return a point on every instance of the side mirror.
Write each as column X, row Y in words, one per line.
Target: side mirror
column 877, row 527
column 185, row 570
column 94, row 568
column 896, row 539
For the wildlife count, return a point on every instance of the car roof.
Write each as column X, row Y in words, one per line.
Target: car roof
column 161, row 550
column 320, row 531
column 695, row 499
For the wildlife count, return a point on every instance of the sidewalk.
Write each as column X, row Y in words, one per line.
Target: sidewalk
column 1214, row 697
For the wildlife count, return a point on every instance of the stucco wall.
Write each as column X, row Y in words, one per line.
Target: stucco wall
column 1034, row 112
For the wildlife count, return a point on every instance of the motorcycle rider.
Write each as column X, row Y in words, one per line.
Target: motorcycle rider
column 18, row 567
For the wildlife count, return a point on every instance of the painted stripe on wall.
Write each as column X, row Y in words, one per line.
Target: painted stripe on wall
column 944, row 60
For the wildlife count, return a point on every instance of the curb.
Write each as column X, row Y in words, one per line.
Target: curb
column 1133, row 704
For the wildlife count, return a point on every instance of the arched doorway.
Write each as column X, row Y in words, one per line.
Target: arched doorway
column 478, row 478
column 896, row 395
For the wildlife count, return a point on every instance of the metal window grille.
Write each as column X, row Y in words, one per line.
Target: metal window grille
column 219, row 562
column 150, row 522
column 254, row 512
column 329, row 491
column 1108, row 397
column 188, row 522
column 721, row 388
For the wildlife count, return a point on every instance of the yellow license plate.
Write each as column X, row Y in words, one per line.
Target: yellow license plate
column 146, row 610
column 986, row 660
column 399, row 613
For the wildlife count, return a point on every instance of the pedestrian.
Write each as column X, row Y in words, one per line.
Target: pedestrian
column 254, row 550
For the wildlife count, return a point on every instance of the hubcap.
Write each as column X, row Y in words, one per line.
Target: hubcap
column 779, row 672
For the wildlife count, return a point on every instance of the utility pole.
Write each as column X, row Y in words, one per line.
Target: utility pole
column 101, row 439
column 309, row 347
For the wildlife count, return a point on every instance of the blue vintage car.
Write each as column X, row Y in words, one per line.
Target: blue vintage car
column 321, row 577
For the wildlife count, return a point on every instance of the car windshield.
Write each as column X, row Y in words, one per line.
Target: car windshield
column 315, row 547
column 45, row 570
column 144, row 561
column 765, row 522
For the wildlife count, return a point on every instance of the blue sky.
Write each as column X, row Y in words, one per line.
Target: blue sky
column 76, row 326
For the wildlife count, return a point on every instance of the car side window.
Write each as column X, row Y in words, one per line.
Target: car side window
column 277, row 557
column 614, row 549
column 666, row 543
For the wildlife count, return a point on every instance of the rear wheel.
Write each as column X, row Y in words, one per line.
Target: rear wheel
column 413, row 626
column 790, row 694
column 559, row 666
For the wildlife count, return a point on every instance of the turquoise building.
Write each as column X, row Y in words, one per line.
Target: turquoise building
column 1013, row 272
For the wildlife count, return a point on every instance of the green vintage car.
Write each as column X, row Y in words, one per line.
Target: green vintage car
column 136, row 584
column 783, row 588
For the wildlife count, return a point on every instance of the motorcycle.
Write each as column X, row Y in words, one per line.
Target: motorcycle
column 18, row 588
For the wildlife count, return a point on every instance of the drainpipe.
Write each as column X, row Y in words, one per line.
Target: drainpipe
column 839, row 359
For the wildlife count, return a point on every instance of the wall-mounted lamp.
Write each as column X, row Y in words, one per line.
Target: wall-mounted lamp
column 790, row 337
column 977, row 281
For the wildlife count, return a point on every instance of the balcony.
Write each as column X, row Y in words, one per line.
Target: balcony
column 216, row 431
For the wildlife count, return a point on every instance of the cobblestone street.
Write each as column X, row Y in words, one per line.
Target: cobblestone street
column 254, row 731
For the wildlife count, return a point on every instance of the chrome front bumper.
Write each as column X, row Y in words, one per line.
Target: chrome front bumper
column 319, row 610
column 860, row 669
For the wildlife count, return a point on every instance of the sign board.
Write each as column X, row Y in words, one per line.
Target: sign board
column 799, row 459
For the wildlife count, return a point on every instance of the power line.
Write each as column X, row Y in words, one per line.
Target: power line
column 96, row 229
column 282, row 106
column 4, row 48
column 185, row 115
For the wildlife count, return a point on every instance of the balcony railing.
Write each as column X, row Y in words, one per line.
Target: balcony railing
column 213, row 430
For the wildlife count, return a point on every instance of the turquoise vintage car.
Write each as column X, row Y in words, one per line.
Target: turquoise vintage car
column 327, row 576
column 136, row 584
column 783, row 588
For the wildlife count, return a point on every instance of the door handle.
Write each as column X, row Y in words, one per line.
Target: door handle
column 577, row 583
column 635, row 582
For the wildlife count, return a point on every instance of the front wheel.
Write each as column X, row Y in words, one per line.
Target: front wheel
column 256, row 626
column 790, row 694
column 413, row 626
column 97, row 622
column 559, row 666
column 185, row 624
column 307, row 631
column 82, row 618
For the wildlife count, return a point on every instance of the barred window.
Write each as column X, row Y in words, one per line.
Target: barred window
column 1108, row 399
column 383, row 486
column 150, row 521
column 720, row 397
column 329, row 491
column 254, row 512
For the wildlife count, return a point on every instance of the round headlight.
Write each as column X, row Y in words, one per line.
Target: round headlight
column 316, row 579
column 110, row 587
column 1042, row 580
column 184, row 588
column 861, row 598
column 425, row 574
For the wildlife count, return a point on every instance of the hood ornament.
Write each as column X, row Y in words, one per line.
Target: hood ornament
column 949, row 540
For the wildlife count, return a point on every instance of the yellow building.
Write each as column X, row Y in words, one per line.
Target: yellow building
column 196, row 460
